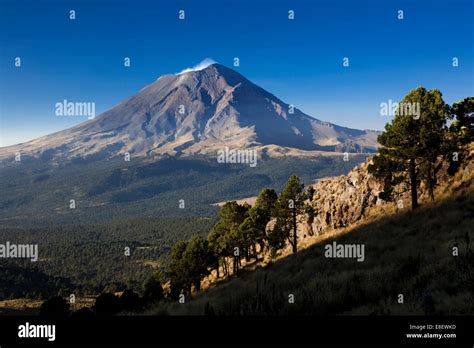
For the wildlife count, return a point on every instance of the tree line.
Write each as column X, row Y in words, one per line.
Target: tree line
column 240, row 234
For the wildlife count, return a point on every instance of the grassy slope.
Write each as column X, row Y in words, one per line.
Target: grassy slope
column 407, row 253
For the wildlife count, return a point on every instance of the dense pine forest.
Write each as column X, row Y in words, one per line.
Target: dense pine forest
column 94, row 258
column 39, row 192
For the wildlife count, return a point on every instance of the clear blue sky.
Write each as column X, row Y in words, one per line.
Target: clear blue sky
column 299, row 61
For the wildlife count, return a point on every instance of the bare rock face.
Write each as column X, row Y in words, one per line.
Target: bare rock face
column 339, row 202
column 343, row 200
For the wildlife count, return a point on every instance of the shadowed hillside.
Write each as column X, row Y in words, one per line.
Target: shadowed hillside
column 417, row 261
column 409, row 253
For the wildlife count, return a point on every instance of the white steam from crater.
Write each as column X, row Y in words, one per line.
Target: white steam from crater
column 202, row 65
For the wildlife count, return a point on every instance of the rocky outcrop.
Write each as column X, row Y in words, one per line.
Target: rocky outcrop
column 341, row 201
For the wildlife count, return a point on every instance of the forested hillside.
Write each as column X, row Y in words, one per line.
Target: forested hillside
column 93, row 258
column 39, row 193
column 407, row 253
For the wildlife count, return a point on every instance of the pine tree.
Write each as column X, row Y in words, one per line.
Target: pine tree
column 459, row 133
column 291, row 204
column 259, row 216
column 177, row 273
column 411, row 144
column 223, row 237
column 218, row 247
column 463, row 124
column 266, row 201
column 153, row 290
column 196, row 258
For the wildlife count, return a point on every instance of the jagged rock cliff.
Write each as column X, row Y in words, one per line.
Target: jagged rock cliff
column 343, row 200
column 346, row 199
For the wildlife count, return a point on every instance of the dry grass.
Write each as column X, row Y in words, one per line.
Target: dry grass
column 26, row 306
column 406, row 252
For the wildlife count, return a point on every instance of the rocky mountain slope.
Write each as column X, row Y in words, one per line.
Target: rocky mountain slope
column 197, row 112
column 346, row 199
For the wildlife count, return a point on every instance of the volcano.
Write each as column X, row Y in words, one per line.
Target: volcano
column 198, row 112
